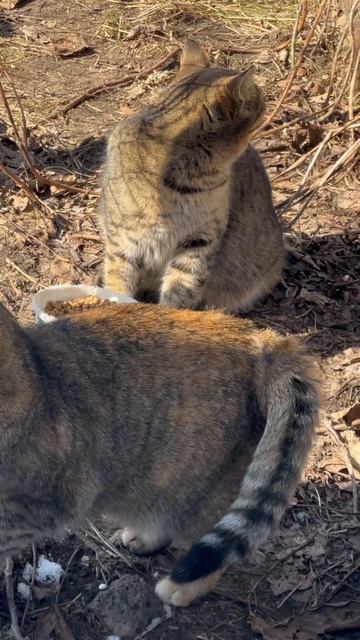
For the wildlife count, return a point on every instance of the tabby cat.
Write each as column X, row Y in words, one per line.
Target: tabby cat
column 186, row 203
column 165, row 419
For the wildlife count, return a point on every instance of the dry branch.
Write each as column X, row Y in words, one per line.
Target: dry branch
column 110, row 84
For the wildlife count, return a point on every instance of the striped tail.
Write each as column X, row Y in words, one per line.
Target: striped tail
column 268, row 485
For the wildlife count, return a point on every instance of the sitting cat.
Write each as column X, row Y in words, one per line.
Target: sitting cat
column 187, row 210
column 166, row 419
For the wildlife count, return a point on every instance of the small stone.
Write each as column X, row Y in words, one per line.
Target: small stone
column 127, row 607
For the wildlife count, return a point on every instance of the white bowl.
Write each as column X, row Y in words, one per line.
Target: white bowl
column 62, row 292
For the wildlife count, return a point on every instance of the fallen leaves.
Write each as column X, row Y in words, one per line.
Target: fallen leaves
column 70, row 45
column 9, row 4
column 53, row 622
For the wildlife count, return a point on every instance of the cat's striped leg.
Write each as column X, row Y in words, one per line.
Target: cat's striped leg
column 121, row 273
column 186, row 276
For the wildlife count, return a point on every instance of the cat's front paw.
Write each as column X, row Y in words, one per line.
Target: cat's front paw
column 145, row 542
column 131, row 539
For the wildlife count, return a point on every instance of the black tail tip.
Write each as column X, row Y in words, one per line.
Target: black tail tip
column 202, row 560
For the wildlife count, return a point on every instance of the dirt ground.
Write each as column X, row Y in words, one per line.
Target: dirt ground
column 304, row 584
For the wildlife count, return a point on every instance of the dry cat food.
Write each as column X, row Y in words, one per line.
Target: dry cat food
column 64, row 307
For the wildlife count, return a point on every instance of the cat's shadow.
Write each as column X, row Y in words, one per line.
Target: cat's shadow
column 319, row 295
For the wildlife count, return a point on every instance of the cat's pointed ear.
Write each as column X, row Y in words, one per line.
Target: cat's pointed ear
column 242, row 83
column 193, row 58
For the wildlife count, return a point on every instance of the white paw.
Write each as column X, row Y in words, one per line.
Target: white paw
column 171, row 593
column 181, row 595
column 131, row 539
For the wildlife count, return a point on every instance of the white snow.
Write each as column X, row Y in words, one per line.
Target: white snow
column 102, row 586
column 113, row 638
column 48, row 571
column 23, row 590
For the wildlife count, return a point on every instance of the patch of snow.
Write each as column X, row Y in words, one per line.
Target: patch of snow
column 85, row 559
column 102, row 586
column 113, row 638
column 47, row 571
column 23, row 590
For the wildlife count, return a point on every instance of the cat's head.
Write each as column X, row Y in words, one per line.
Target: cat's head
column 214, row 101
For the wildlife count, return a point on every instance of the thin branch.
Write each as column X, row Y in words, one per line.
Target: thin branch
column 130, row 77
column 295, row 69
column 9, row 583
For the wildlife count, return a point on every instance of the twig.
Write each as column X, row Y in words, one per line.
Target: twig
column 339, row 441
column 9, row 583
column 283, row 559
column 283, row 45
column 56, row 603
column 24, row 187
column 155, row 623
column 295, row 69
column 305, row 117
column 350, row 66
column 329, row 136
column 130, row 77
column 346, row 625
column 23, row 146
column 301, row 15
column 288, row 595
column 352, row 92
column 344, row 159
column 24, row 274
column 338, row 586
column 21, row 140
column 334, row 65
column 109, row 546
column 33, row 574
column 86, row 236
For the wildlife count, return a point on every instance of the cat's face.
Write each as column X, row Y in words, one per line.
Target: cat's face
column 213, row 100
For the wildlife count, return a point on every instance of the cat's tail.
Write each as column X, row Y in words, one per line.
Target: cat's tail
column 266, row 489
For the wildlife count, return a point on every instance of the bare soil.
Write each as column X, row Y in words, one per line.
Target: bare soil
column 305, row 583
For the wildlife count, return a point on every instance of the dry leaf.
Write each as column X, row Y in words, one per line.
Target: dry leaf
column 57, row 190
column 21, row 203
column 70, row 45
column 58, row 269
column 311, row 625
column 8, row 4
column 46, row 625
column 352, row 417
column 293, row 580
column 314, row 297
column 63, row 629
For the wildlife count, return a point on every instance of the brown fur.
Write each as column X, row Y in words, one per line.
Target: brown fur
column 152, row 415
column 187, row 208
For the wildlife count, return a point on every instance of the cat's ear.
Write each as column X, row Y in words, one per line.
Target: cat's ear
column 241, row 84
column 193, row 58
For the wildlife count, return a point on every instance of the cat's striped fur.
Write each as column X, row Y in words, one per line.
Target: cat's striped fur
column 167, row 419
column 269, row 482
column 187, row 210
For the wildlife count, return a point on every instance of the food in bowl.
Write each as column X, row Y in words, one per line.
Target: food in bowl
column 59, row 308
